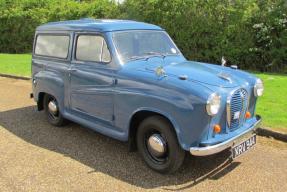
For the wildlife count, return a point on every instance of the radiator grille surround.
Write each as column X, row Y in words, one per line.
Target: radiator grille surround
column 237, row 105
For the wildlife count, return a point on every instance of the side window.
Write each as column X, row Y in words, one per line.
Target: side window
column 92, row 48
column 52, row 45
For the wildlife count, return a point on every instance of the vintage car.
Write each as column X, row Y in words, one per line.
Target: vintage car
column 128, row 80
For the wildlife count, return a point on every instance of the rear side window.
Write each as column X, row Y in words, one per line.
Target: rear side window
column 52, row 45
column 92, row 48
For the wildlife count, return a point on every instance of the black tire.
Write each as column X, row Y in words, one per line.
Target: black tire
column 174, row 155
column 54, row 119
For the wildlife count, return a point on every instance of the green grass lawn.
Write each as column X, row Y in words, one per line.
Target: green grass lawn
column 16, row 64
column 272, row 106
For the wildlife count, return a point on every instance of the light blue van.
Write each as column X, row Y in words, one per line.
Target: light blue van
column 128, row 80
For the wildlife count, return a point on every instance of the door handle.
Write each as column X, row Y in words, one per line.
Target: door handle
column 115, row 81
column 72, row 70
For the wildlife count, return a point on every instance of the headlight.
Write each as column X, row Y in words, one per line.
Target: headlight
column 213, row 104
column 258, row 88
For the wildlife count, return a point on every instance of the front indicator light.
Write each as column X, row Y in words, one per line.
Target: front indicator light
column 247, row 115
column 217, row 128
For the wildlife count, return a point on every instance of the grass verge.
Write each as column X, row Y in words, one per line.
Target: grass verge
column 15, row 64
column 272, row 106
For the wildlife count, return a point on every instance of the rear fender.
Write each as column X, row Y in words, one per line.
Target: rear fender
column 49, row 83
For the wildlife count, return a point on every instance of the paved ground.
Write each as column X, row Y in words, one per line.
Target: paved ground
column 35, row 156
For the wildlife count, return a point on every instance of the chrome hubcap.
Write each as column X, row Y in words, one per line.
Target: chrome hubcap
column 53, row 108
column 156, row 145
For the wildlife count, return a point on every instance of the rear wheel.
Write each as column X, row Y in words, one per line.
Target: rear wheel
column 158, row 145
column 52, row 111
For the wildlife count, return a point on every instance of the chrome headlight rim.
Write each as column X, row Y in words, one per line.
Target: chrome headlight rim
column 213, row 104
column 258, row 88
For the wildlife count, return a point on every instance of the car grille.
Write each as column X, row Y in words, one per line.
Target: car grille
column 236, row 108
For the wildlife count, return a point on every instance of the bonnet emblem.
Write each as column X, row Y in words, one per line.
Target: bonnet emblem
column 159, row 71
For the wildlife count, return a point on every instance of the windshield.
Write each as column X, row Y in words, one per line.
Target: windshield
column 133, row 45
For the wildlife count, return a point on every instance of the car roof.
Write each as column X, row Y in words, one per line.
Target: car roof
column 102, row 25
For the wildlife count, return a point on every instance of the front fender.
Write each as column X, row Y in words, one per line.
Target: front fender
column 178, row 102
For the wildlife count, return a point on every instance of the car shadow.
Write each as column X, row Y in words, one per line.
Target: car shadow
column 109, row 156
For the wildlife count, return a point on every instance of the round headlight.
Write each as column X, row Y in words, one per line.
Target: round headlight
column 258, row 88
column 213, row 104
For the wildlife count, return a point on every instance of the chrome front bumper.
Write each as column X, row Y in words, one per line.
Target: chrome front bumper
column 209, row 150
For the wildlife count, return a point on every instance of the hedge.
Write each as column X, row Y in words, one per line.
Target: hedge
column 19, row 18
column 251, row 34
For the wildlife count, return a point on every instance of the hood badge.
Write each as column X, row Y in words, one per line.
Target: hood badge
column 159, row 71
column 225, row 76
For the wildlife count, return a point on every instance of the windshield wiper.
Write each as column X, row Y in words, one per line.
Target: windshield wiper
column 148, row 55
column 137, row 58
column 155, row 54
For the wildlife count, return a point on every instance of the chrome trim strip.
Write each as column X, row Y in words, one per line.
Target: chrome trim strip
column 209, row 150
column 228, row 111
column 244, row 99
column 224, row 76
column 102, row 49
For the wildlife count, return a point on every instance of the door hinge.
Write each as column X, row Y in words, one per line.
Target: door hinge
column 113, row 117
column 115, row 81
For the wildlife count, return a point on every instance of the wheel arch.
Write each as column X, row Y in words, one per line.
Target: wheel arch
column 48, row 83
column 138, row 116
column 40, row 101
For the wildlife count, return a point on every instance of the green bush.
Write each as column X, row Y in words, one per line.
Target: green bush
column 251, row 34
column 19, row 19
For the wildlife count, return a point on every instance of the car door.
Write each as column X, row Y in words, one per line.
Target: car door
column 92, row 78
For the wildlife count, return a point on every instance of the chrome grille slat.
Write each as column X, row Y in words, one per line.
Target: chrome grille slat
column 237, row 102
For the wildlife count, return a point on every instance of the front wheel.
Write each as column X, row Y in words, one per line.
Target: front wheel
column 52, row 111
column 158, row 145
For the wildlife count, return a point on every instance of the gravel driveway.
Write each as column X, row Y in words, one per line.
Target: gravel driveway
column 35, row 156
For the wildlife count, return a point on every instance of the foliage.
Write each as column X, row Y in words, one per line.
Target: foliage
column 251, row 34
column 19, row 18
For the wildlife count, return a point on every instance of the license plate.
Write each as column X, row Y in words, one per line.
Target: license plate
column 243, row 146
